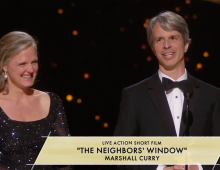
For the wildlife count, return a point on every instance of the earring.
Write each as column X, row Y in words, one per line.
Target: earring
column 5, row 75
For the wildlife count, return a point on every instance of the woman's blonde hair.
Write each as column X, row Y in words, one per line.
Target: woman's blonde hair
column 10, row 45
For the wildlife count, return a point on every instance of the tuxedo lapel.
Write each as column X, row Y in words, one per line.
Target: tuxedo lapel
column 158, row 97
column 193, row 101
column 195, row 95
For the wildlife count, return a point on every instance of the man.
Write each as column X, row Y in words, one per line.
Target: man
column 148, row 109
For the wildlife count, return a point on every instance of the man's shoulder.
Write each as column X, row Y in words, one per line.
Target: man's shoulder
column 206, row 87
column 142, row 85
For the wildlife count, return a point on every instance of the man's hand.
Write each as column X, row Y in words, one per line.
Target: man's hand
column 193, row 167
column 182, row 167
column 175, row 167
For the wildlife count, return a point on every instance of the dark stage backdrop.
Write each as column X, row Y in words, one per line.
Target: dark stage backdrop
column 92, row 49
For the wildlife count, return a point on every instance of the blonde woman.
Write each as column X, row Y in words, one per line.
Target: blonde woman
column 26, row 114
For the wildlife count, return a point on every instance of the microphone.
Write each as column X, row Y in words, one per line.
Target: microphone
column 187, row 89
column 187, row 114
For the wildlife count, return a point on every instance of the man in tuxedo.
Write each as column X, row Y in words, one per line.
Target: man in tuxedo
column 153, row 108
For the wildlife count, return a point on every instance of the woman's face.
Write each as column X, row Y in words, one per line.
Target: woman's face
column 22, row 69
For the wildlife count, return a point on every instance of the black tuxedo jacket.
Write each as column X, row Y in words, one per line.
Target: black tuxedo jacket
column 144, row 111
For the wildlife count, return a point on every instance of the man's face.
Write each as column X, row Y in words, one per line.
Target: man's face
column 169, row 48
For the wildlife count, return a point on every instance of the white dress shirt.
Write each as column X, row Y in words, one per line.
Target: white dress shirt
column 175, row 100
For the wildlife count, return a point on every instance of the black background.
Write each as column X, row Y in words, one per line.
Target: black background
column 113, row 58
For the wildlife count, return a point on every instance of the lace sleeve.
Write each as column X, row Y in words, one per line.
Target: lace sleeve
column 61, row 126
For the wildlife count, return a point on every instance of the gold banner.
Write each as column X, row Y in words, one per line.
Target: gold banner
column 129, row 150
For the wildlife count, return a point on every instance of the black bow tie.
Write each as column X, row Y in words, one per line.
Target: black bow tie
column 185, row 85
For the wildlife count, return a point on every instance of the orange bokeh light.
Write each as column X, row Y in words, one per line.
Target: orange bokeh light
column 79, row 100
column 145, row 24
column 195, row 16
column 147, row 20
column 187, row 58
column 97, row 117
column 86, row 75
column 206, row 54
column 190, row 41
column 75, row 32
column 122, row 29
column 149, row 58
column 199, row 66
column 60, row 11
column 143, row 46
column 105, row 125
column 177, row 9
column 69, row 97
column 188, row 1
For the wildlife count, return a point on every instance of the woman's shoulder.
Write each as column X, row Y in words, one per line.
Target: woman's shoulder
column 48, row 96
column 45, row 94
column 51, row 99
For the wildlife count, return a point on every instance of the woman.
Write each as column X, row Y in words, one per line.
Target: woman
column 26, row 114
